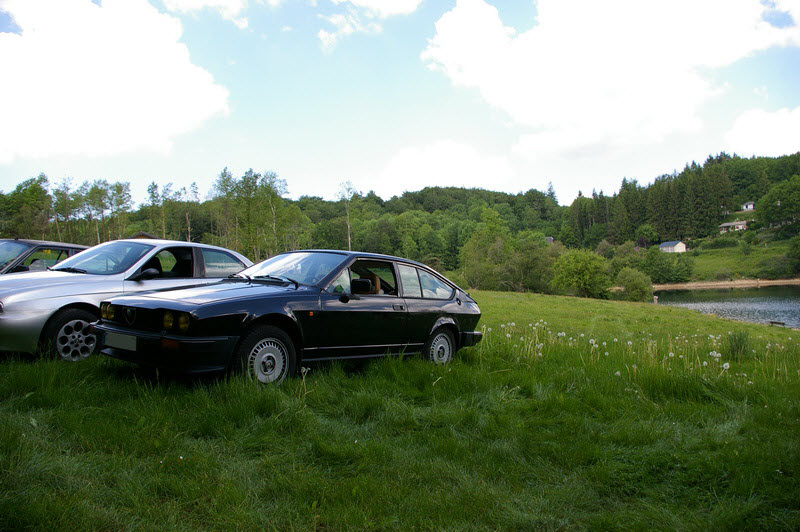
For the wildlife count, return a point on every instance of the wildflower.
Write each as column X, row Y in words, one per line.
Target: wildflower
column 671, row 354
column 633, row 366
column 725, row 366
column 617, row 373
column 606, row 353
column 615, row 340
column 508, row 335
column 630, row 343
column 513, row 324
column 581, row 335
column 705, row 363
column 749, row 383
column 502, row 325
column 489, row 329
column 604, row 344
column 680, row 356
column 591, row 341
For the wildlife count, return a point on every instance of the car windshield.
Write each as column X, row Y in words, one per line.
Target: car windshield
column 301, row 267
column 105, row 259
column 10, row 250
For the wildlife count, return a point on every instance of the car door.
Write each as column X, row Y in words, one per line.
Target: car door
column 366, row 324
column 176, row 267
column 428, row 298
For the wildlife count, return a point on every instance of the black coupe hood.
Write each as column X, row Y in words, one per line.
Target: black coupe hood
column 211, row 293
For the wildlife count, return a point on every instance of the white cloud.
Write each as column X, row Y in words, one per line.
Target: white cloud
column 383, row 8
column 228, row 9
column 362, row 16
column 443, row 163
column 758, row 132
column 85, row 79
column 594, row 76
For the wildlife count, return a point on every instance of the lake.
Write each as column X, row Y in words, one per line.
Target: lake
column 759, row 305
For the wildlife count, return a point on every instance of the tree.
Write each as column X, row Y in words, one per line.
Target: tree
column 780, row 206
column 646, row 235
column 636, row 285
column 346, row 194
column 582, row 273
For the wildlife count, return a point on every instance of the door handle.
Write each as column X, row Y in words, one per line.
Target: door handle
column 398, row 307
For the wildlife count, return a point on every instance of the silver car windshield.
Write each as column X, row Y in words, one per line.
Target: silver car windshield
column 10, row 250
column 302, row 267
column 105, row 259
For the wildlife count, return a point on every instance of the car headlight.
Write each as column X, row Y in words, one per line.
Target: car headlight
column 169, row 320
column 111, row 311
column 107, row 311
column 183, row 322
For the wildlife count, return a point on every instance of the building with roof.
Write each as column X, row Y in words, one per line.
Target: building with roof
column 739, row 225
column 673, row 246
column 749, row 206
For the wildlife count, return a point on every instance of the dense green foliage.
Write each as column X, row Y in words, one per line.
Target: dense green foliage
column 490, row 240
column 636, row 286
column 572, row 414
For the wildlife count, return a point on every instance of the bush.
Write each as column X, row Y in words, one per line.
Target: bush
column 636, row 285
column 781, row 268
column 581, row 273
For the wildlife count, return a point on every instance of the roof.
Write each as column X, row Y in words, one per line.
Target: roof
column 749, row 203
column 670, row 244
column 44, row 242
column 731, row 224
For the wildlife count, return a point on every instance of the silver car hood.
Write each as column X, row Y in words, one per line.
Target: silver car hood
column 43, row 285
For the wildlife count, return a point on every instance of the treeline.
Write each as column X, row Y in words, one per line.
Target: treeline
column 492, row 240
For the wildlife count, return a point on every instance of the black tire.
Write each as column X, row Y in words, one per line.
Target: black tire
column 441, row 346
column 266, row 354
column 65, row 335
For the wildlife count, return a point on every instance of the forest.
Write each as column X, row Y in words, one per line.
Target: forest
column 483, row 239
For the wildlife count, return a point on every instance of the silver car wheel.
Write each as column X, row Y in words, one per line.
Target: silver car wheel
column 73, row 343
column 441, row 348
column 268, row 361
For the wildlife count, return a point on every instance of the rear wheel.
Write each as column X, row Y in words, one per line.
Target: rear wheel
column 441, row 346
column 266, row 354
column 66, row 335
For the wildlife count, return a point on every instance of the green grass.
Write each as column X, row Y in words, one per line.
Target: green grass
column 534, row 430
column 732, row 263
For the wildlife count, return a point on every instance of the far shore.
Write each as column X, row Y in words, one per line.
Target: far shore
column 738, row 283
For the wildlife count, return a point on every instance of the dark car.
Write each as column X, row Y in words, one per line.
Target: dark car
column 295, row 307
column 17, row 255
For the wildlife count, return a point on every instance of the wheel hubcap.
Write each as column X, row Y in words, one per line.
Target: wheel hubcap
column 268, row 361
column 441, row 349
column 73, row 343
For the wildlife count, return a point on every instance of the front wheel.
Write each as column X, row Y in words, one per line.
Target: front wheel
column 66, row 336
column 440, row 347
column 266, row 354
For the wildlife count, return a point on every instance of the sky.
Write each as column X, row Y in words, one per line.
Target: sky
column 393, row 95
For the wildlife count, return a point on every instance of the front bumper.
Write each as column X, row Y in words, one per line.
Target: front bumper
column 469, row 338
column 186, row 354
column 20, row 329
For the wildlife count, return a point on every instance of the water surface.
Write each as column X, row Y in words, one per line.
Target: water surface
column 759, row 305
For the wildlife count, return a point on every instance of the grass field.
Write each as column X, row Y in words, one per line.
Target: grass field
column 731, row 263
column 573, row 413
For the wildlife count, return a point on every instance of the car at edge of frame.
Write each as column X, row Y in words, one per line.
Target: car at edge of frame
column 296, row 307
column 19, row 255
column 49, row 311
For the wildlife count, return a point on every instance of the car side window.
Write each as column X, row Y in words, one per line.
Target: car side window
column 341, row 285
column 380, row 274
column 433, row 287
column 408, row 276
column 43, row 258
column 220, row 264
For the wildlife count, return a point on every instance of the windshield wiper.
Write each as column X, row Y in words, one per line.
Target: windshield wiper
column 281, row 278
column 69, row 269
column 240, row 276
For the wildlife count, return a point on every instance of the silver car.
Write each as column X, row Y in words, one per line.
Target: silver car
column 49, row 311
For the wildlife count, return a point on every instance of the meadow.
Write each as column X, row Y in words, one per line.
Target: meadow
column 732, row 263
column 573, row 413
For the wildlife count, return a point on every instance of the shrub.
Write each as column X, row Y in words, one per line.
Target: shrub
column 582, row 273
column 720, row 242
column 636, row 285
column 780, row 268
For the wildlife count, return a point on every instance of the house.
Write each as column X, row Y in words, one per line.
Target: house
column 749, row 206
column 739, row 225
column 549, row 239
column 674, row 246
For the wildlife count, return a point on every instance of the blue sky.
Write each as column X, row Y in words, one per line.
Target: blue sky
column 393, row 95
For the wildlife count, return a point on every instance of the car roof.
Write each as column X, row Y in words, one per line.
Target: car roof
column 163, row 242
column 366, row 255
column 43, row 242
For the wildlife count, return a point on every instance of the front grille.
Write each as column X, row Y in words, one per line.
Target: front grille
column 142, row 319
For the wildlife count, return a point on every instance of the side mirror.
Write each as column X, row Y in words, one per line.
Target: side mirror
column 361, row 286
column 145, row 275
column 20, row 268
